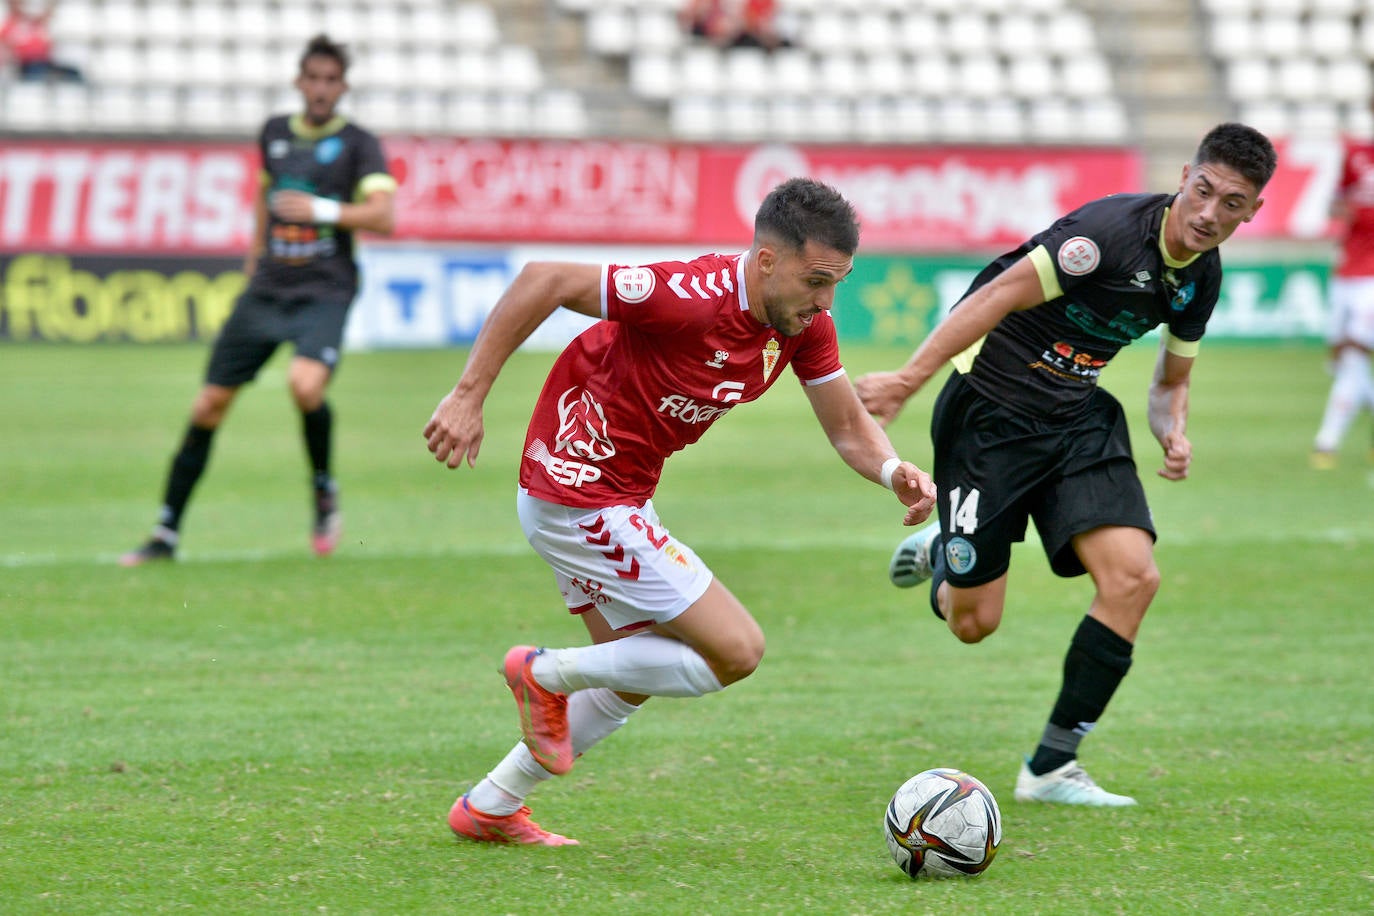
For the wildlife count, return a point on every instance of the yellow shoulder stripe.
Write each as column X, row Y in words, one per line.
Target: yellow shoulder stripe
column 1044, row 269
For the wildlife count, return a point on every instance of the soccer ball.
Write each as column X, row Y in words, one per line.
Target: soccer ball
column 943, row 823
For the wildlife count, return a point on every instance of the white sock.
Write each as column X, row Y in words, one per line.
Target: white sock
column 1348, row 392
column 592, row 715
column 644, row 663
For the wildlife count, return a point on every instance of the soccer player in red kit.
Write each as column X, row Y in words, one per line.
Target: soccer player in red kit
column 1351, row 330
column 678, row 345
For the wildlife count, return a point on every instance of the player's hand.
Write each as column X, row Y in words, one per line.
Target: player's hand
column 883, row 395
column 292, row 206
column 455, row 431
column 916, row 490
column 1178, row 454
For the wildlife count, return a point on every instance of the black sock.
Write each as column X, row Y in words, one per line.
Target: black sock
column 1096, row 662
column 938, row 571
column 318, row 427
column 187, row 466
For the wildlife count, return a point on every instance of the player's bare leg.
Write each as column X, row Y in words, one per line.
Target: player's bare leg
column 722, row 631
column 973, row 614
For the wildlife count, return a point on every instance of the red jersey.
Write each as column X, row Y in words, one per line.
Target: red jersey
column 1357, row 189
column 676, row 350
column 27, row 38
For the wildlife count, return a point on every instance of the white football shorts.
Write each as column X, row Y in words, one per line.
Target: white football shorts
column 620, row 560
column 1352, row 311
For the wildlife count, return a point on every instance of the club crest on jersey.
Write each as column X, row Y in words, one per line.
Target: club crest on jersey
column 1079, row 255
column 328, row 149
column 634, row 284
column 719, row 360
column 771, row 352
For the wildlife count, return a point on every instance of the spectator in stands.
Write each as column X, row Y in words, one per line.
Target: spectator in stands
column 322, row 180
column 27, row 44
column 1351, row 333
column 734, row 23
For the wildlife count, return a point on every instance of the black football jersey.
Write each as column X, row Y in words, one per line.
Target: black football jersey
column 1114, row 284
column 338, row 160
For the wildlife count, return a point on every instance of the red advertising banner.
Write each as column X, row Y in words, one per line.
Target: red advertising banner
column 919, row 198
column 908, row 198
column 169, row 198
column 179, row 198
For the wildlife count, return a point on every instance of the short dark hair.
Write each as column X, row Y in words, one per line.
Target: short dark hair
column 322, row 46
column 1242, row 148
column 802, row 210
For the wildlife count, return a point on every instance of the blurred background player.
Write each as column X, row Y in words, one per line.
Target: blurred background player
column 323, row 178
column 679, row 345
column 26, row 43
column 1351, row 332
column 1022, row 431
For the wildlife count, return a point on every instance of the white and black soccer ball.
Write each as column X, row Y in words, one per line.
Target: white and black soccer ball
column 943, row 823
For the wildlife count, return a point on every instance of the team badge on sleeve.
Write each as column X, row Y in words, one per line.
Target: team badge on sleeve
column 634, row 284
column 1079, row 255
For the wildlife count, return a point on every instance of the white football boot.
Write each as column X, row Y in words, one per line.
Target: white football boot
column 911, row 562
column 1068, row 785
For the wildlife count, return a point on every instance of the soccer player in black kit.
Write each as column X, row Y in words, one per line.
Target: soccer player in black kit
column 1021, row 431
column 323, row 179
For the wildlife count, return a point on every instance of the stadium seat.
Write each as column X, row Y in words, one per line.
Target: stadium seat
column 1231, row 36
column 469, row 113
column 1300, row 79
column 884, row 74
column 1103, row 120
column 980, row 76
column 1330, row 37
column 700, row 67
column 1249, row 79
column 932, row 76
column 919, row 31
column 1003, row 121
column 652, row 75
column 1086, row 76
column 839, row 73
column 1031, row 76
column 793, row 71
column 611, row 31
column 474, row 25
column 519, row 67
column 561, row 113
column 1050, row 119
column 746, row 71
column 657, row 29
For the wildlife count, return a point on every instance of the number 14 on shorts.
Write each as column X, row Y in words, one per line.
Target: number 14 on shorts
column 963, row 510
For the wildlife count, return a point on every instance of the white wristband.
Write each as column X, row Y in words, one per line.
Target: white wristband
column 889, row 468
column 324, row 210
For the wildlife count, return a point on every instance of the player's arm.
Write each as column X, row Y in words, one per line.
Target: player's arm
column 1168, row 405
column 454, row 431
column 863, row 445
column 1021, row 286
column 258, row 245
column 374, row 211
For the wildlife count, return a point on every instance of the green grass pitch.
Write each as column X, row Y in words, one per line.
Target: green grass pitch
column 253, row 730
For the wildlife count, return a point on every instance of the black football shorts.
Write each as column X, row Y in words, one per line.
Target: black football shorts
column 995, row 468
column 258, row 325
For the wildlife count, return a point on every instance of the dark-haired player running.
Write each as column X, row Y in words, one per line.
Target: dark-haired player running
column 1021, row 430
